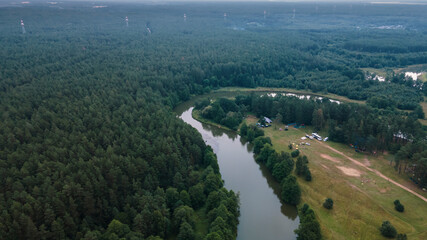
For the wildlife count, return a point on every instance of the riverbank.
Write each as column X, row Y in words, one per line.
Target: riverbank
column 263, row 215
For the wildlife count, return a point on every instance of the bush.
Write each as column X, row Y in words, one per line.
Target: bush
column 328, row 204
column 387, row 230
column 308, row 175
column 295, row 153
column 398, row 206
column 401, row 236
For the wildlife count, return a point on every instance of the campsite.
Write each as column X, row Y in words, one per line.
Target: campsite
column 362, row 199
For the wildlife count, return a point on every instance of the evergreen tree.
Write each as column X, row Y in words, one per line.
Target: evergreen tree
column 291, row 192
column 387, row 230
column 328, row 204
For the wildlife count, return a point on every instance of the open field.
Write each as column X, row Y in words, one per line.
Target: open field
column 362, row 199
column 289, row 90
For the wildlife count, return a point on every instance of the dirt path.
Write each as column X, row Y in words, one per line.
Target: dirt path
column 367, row 162
column 379, row 174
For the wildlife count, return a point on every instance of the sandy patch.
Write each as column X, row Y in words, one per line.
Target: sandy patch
column 329, row 158
column 350, row 171
column 378, row 173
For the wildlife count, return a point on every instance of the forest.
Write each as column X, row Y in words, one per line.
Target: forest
column 90, row 147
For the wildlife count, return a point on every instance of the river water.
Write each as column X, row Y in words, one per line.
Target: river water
column 263, row 215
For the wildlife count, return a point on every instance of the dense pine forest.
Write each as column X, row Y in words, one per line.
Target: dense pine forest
column 89, row 145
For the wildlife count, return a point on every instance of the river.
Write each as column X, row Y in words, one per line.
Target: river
column 263, row 215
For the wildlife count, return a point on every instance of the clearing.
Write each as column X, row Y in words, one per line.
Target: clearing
column 363, row 188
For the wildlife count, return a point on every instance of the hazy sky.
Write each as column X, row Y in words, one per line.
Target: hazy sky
column 142, row 1
column 355, row 1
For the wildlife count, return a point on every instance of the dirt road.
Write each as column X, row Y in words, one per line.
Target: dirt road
column 379, row 174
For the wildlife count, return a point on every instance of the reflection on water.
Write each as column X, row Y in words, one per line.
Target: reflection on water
column 286, row 210
column 263, row 215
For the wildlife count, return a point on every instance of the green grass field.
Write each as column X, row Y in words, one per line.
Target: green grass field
column 361, row 203
column 423, row 77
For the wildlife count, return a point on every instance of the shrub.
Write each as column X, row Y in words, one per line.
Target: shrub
column 398, row 206
column 401, row 236
column 308, row 175
column 328, row 204
column 295, row 153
